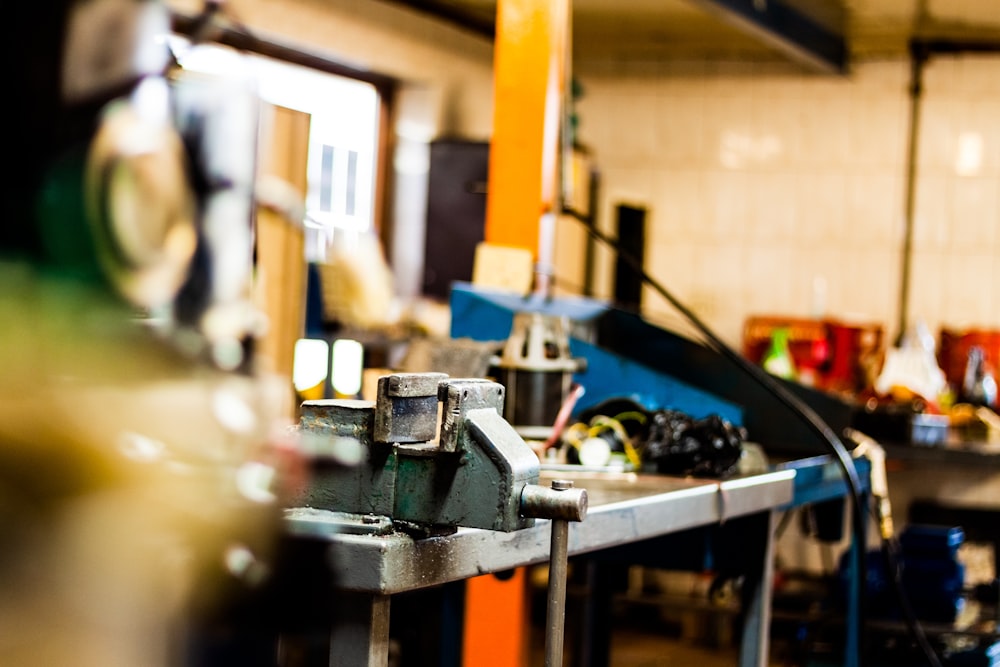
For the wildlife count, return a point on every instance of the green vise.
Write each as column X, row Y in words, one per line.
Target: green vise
column 469, row 472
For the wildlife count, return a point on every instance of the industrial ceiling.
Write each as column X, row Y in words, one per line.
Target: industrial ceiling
column 823, row 34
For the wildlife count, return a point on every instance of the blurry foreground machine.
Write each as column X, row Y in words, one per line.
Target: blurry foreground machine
column 134, row 487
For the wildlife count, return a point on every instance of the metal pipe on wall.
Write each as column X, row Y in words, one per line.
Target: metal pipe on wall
column 918, row 60
column 921, row 52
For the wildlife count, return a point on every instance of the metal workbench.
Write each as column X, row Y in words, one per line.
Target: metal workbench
column 624, row 509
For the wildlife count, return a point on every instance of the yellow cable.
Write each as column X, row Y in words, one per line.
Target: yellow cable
column 600, row 422
column 631, row 414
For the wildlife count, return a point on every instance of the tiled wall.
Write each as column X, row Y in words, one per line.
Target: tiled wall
column 762, row 182
column 773, row 191
column 769, row 190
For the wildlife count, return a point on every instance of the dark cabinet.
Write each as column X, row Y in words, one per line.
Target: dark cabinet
column 456, row 212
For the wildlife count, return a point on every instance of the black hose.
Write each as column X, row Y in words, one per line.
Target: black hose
column 821, row 429
column 786, row 398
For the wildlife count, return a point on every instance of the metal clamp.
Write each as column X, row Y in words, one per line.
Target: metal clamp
column 472, row 475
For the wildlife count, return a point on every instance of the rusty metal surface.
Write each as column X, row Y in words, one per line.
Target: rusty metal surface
column 548, row 502
column 406, row 407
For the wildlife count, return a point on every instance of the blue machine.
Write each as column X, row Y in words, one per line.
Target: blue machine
column 931, row 574
column 487, row 315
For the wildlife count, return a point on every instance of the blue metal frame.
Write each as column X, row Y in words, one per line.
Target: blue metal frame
column 487, row 316
column 819, row 479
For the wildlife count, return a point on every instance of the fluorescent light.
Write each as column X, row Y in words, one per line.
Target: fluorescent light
column 309, row 366
column 348, row 356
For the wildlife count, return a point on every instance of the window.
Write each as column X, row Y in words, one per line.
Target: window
column 343, row 140
column 343, row 135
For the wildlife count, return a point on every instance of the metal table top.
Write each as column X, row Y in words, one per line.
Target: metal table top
column 624, row 507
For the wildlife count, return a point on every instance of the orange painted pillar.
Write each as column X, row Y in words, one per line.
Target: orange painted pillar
column 496, row 632
column 529, row 70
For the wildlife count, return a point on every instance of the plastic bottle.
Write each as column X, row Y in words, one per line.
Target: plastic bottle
column 778, row 359
column 979, row 387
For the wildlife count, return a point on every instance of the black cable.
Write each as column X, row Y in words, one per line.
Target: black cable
column 820, row 428
column 783, row 395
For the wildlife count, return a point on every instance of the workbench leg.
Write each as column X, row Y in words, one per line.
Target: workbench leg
column 360, row 634
column 854, row 641
column 757, row 599
column 595, row 631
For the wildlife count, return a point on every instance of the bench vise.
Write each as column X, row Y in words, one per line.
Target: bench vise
column 472, row 472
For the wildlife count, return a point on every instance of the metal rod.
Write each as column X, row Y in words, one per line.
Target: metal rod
column 556, row 610
column 918, row 58
column 561, row 503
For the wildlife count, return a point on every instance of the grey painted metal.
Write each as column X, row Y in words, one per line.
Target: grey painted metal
column 458, row 398
column 367, row 488
column 544, row 502
column 478, row 486
column 322, row 522
column 360, row 633
column 623, row 508
column 472, row 476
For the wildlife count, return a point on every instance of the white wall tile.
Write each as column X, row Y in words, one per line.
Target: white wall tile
column 944, row 74
column 968, row 289
column 927, row 287
column 983, row 124
column 869, row 283
column 822, row 205
column 979, row 74
column 680, row 130
column 826, row 138
column 678, row 200
column 632, row 136
column 772, row 207
column 973, row 220
column 939, row 120
column 875, row 207
column 726, row 199
column 932, row 211
column 878, row 129
column 727, row 132
column 769, row 275
column 777, row 128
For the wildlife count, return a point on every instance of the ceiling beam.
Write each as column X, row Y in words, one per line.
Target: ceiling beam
column 467, row 20
column 773, row 22
column 786, row 29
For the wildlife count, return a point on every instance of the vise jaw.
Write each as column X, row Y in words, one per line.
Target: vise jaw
column 469, row 472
